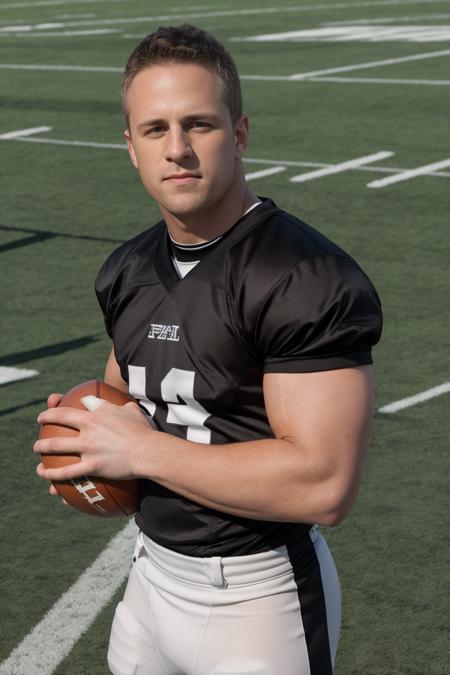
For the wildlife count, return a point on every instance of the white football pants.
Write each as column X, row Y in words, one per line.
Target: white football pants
column 272, row 613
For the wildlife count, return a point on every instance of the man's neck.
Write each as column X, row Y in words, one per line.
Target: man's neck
column 201, row 227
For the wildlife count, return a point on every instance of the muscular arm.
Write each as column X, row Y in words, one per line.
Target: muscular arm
column 310, row 471
column 113, row 375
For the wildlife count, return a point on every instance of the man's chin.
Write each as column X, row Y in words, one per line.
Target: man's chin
column 184, row 208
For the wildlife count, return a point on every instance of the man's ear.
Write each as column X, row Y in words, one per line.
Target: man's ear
column 242, row 136
column 130, row 147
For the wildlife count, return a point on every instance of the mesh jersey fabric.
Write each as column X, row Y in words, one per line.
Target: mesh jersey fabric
column 274, row 295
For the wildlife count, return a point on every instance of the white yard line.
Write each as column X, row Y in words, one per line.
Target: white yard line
column 75, row 16
column 372, row 169
column 80, row 144
column 63, row 33
column 371, row 64
column 342, row 166
column 361, row 33
column 265, row 172
column 21, row 133
column 418, row 398
column 296, row 8
column 258, row 11
column 284, row 163
column 178, row 8
column 50, row 3
column 415, row 34
column 407, row 175
column 282, row 78
column 49, row 67
column 9, row 374
column 40, row 652
column 387, row 19
column 315, row 76
column 380, row 80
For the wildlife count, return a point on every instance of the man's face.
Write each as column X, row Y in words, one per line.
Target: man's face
column 181, row 138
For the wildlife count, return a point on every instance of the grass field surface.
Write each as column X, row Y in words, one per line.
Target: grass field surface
column 320, row 93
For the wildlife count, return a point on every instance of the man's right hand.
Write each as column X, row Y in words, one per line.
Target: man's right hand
column 53, row 400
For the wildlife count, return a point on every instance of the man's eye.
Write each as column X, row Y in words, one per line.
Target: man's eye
column 198, row 124
column 155, row 131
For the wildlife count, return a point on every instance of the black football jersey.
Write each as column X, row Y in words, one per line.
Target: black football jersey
column 273, row 295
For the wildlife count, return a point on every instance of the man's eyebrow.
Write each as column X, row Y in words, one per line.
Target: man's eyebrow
column 200, row 116
column 150, row 123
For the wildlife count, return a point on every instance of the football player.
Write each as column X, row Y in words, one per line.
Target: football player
column 246, row 337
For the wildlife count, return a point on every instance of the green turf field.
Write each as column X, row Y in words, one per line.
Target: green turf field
column 66, row 205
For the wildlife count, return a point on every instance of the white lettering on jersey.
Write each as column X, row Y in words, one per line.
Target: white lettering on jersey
column 162, row 331
column 177, row 384
column 180, row 384
column 84, row 486
column 137, row 387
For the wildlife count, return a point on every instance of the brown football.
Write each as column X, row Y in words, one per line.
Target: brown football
column 93, row 495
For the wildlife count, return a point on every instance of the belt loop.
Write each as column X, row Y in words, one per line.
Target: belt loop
column 214, row 567
column 314, row 533
column 139, row 548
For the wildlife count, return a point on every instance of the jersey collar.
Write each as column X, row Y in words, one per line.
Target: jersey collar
column 163, row 254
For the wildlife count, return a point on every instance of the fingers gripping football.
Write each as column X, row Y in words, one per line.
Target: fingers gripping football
column 109, row 441
column 54, row 400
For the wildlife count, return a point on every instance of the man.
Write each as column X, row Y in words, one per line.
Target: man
column 246, row 336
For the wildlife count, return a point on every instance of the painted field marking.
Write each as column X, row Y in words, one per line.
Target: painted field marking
column 9, row 374
column 49, row 3
column 265, row 172
column 21, row 133
column 28, row 28
column 369, row 168
column 372, row 64
column 66, row 33
column 75, row 16
column 380, row 80
column 388, row 20
column 268, row 78
column 240, row 12
column 342, row 166
column 250, row 160
column 87, row 69
column 407, row 175
column 418, row 398
column 351, row 33
column 81, row 144
column 53, row 637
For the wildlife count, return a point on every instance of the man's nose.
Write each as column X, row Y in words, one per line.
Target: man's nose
column 178, row 145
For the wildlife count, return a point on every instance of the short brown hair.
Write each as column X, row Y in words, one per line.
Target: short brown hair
column 186, row 44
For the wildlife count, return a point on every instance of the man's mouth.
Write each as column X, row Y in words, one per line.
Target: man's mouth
column 182, row 178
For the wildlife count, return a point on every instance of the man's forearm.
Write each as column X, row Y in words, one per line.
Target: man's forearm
column 265, row 480
column 310, row 471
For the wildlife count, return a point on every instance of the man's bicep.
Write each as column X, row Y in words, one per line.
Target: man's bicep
column 326, row 414
column 113, row 375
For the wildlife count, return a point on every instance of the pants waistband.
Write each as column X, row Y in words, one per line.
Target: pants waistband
column 218, row 571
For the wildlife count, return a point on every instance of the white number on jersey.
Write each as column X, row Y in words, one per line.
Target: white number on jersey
column 177, row 384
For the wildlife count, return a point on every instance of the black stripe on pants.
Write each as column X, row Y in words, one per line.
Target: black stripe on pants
column 311, row 597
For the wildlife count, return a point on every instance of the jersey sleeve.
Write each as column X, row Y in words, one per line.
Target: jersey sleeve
column 126, row 266
column 103, row 288
column 111, row 279
column 323, row 314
